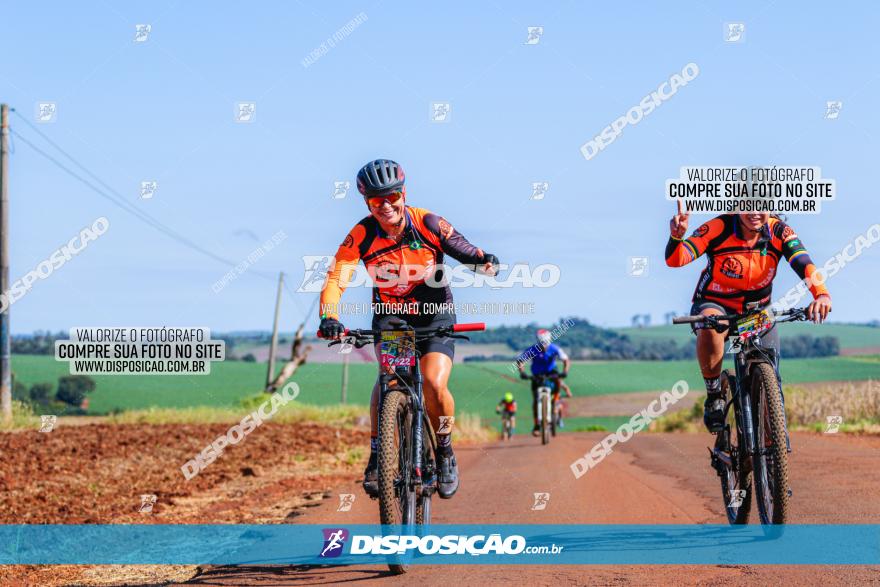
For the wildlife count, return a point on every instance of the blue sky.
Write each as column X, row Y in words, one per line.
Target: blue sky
column 163, row 110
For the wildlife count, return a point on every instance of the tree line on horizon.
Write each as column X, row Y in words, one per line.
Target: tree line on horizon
column 580, row 339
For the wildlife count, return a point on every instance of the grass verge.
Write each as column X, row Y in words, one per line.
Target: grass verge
column 22, row 417
column 853, row 405
column 468, row 427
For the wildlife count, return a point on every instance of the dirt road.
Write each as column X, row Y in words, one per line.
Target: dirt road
column 653, row 479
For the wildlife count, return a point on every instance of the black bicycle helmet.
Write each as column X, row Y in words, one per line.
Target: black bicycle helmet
column 380, row 177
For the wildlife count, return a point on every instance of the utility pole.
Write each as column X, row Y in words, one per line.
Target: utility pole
column 345, row 357
column 270, row 375
column 5, row 371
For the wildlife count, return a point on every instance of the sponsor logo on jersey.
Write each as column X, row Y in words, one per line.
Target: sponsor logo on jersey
column 732, row 268
column 701, row 230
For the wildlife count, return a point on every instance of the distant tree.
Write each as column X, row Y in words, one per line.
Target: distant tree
column 249, row 358
column 41, row 393
column 19, row 391
column 805, row 346
column 72, row 389
column 38, row 343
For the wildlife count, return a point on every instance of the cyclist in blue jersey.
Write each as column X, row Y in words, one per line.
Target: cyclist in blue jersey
column 543, row 356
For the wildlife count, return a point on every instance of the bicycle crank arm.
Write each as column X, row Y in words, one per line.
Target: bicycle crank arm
column 721, row 456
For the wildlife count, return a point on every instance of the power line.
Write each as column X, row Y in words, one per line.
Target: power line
column 109, row 193
column 116, row 198
column 296, row 301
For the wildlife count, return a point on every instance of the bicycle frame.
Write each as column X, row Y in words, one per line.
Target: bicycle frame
column 410, row 382
column 747, row 354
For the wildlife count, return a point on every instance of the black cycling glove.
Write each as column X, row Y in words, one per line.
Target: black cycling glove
column 490, row 258
column 331, row 328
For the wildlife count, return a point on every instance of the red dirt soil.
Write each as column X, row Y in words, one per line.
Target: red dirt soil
column 282, row 473
column 96, row 474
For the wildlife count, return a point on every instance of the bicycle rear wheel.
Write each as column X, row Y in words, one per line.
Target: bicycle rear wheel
column 771, row 462
column 397, row 499
column 736, row 477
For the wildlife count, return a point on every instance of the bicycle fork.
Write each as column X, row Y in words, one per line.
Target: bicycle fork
column 540, row 411
column 418, row 427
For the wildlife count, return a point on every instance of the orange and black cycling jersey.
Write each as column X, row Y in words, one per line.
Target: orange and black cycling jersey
column 405, row 271
column 738, row 274
column 507, row 406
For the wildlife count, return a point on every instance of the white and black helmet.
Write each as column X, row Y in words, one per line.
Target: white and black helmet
column 544, row 337
column 380, row 177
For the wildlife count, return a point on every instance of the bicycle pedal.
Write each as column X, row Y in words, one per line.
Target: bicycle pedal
column 716, row 463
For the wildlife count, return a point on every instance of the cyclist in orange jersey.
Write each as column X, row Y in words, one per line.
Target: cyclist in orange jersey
column 743, row 253
column 403, row 248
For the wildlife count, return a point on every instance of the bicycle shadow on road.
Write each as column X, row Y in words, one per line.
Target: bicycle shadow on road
column 272, row 575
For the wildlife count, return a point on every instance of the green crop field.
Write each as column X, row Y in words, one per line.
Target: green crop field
column 851, row 336
column 477, row 386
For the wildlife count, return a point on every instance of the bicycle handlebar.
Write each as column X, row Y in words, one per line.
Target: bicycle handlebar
column 469, row 327
column 687, row 319
column 793, row 314
column 466, row 327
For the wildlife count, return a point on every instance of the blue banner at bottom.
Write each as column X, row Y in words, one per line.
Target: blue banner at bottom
column 440, row 544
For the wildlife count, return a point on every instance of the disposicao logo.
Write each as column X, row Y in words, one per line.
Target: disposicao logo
column 334, row 540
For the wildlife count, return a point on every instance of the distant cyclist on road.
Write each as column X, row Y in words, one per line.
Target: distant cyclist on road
column 402, row 248
column 743, row 252
column 507, row 408
column 543, row 356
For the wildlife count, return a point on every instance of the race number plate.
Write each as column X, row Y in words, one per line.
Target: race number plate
column 398, row 348
column 754, row 324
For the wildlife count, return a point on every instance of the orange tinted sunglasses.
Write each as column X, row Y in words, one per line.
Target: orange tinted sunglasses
column 377, row 201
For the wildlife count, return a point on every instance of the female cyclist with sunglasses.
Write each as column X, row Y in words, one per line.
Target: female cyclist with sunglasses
column 402, row 248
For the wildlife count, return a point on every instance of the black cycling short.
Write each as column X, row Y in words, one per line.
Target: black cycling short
column 435, row 344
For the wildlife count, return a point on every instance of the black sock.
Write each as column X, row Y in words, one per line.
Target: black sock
column 713, row 385
column 444, row 443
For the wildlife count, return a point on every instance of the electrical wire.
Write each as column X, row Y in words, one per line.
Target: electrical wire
column 117, row 199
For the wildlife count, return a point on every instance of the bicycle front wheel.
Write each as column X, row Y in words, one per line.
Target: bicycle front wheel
column 545, row 418
column 771, row 460
column 397, row 498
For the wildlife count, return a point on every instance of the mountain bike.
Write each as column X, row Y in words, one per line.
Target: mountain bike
column 558, row 408
column 506, row 427
column 547, row 421
column 408, row 463
column 751, row 451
